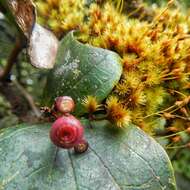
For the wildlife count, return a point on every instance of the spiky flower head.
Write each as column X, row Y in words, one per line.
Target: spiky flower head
column 91, row 104
column 116, row 112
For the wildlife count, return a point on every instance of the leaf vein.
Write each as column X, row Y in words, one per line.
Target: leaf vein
column 152, row 170
column 73, row 169
column 101, row 160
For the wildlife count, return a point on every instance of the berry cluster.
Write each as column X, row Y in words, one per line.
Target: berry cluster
column 67, row 131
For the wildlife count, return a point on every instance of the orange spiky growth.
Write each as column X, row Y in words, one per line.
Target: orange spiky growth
column 154, row 59
column 61, row 16
column 116, row 112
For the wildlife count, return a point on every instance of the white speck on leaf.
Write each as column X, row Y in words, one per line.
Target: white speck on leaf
column 67, row 56
column 72, row 66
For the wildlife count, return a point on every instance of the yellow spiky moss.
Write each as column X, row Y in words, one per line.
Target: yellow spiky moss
column 61, row 16
column 91, row 104
column 116, row 112
column 155, row 56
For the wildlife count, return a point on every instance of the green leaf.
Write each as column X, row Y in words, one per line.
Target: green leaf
column 82, row 70
column 116, row 159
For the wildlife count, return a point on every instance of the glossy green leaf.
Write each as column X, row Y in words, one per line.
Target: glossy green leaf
column 82, row 70
column 116, row 160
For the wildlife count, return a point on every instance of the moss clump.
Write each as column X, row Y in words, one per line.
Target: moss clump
column 61, row 15
column 155, row 57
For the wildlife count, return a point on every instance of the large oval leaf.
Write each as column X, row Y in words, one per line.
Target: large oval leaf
column 82, row 70
column 127, row 160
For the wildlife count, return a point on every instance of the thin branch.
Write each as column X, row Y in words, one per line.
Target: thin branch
column 29, row 98
column 177, row 147
column 172, row 135
column 12, row 59
column 3, row 10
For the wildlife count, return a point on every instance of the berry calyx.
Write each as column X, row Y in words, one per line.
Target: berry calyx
column 81, row 147
column 66, row 132
column 64, row 104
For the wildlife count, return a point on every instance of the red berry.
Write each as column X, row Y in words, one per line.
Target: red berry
column 66, row 132
column 81, row 147
column 64, row 104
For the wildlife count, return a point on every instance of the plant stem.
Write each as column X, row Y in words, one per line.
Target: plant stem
column 181, row 117
column 176, row 147
column 2, row 10
column 157, row 113
column 92, row 117
column 172, row 135
column 12, row 59
column 29, row 99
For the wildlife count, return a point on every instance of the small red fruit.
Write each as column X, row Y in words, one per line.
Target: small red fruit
column 81, row 147
column 66, row 132
column 64, row 104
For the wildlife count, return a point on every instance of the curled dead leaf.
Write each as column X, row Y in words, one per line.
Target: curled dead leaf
column 42, row 48
column 24, row 14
